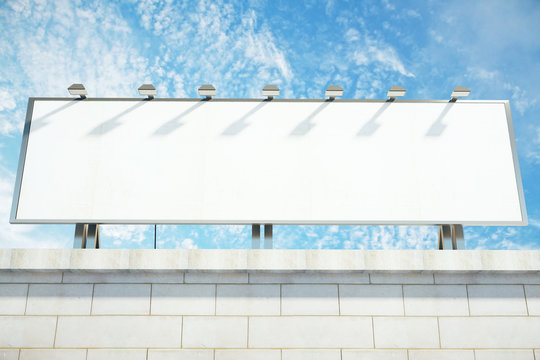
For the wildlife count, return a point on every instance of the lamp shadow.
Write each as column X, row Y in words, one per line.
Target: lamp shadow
column 437, row 128
column 175, row 123
column 112, row 123
column 239, row 125
column 306, row 125
column 371, row 126
column 42, row 119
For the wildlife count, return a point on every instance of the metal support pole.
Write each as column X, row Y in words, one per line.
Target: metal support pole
column 80, row 236
column 255, row 236
column 451, row 237
column 445, row 237
column 458, row 238
column 268, row 242
column 92, row 236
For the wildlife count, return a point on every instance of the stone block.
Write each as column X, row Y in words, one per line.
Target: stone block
column 59, row 299
column 53, row 354
column 490, row 332
column 175, row 354
column 121, row 299
column 497, row 300
column 249, row 299
column 371, row 299
column 248, row 355
column 214, row 332
column 13, row 299
column 118, row 332
column 27, row 331
column 436, row 300
column 116, row 354
column 9, row 354
column 8, row 276
column 501, row 354
column 397, row 332
column 408, row 277
column 317, row 277
column 374, row 354
column 532, row 293
column 120, row 276
column 304, row 299
column 307, row 354
column 310, row 332
column 183, row 299
column 441, row 354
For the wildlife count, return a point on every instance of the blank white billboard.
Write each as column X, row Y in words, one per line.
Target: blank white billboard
column 191, row 161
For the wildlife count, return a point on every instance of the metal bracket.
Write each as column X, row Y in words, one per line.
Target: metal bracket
column 451, row 237
column 86, row 236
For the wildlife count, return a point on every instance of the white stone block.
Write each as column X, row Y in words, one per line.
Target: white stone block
column 119, row 276
column 119, row 331
column 504, row 354
column 487, row 277
column 121, row 299
column 371, row 299
column 310, row 332
column 397, row 332
column 374, row 354
column 9, row 354
column 116, row 354
column 304, row 299
column 59, row 299
column 489, row 332
column 174, row 354
column 214, row 332
column 53, row 354
column 248, row 299
column 497, row 300
column 183, row 299
column 409, row 277
column 441, row 354
column 437, row 300
column 307, row 354
column 248, row 355
column 533, row 299
column 27, row 331
column 202, row 277
column 13, row 299
column 318, row 277
column 8, row 276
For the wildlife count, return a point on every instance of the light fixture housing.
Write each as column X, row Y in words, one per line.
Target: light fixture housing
column 207, row 90
column 460, row 91
column 396, row 91
column 78, row 89
column 270, row 91
column 148, row 90
column 333, row 91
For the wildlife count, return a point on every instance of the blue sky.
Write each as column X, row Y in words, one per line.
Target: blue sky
column 428, row 47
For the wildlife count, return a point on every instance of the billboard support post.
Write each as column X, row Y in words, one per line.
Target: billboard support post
column 86, row 236
column 451, row 237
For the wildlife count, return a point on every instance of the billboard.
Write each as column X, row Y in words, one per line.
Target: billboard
column 246, row 161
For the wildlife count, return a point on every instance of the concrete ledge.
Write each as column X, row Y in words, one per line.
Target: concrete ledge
column 270, row 260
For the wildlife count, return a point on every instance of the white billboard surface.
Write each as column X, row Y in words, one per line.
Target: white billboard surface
column 193, row 161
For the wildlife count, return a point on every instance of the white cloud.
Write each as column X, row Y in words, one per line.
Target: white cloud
column 188, row 244
column 127, row 235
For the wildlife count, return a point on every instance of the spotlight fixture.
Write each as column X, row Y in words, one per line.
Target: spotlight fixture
column 207, row 90
column 332, row 91
column 270, row 91
column 78, row 89
column 396, row 91
column 148, row 90
column 460, row 91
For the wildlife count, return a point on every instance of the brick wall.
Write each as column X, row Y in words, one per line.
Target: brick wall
column 269, row 314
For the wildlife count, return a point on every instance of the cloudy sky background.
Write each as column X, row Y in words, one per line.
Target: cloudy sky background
column 428, row 47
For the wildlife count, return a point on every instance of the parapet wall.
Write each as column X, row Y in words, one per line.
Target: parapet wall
column 269, row 304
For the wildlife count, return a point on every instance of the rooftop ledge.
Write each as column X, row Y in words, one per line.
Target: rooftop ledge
column 269, row 260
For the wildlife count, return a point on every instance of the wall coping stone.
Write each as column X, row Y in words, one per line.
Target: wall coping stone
column 270, row 260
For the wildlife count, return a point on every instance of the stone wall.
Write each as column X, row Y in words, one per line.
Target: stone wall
column 269, row 304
